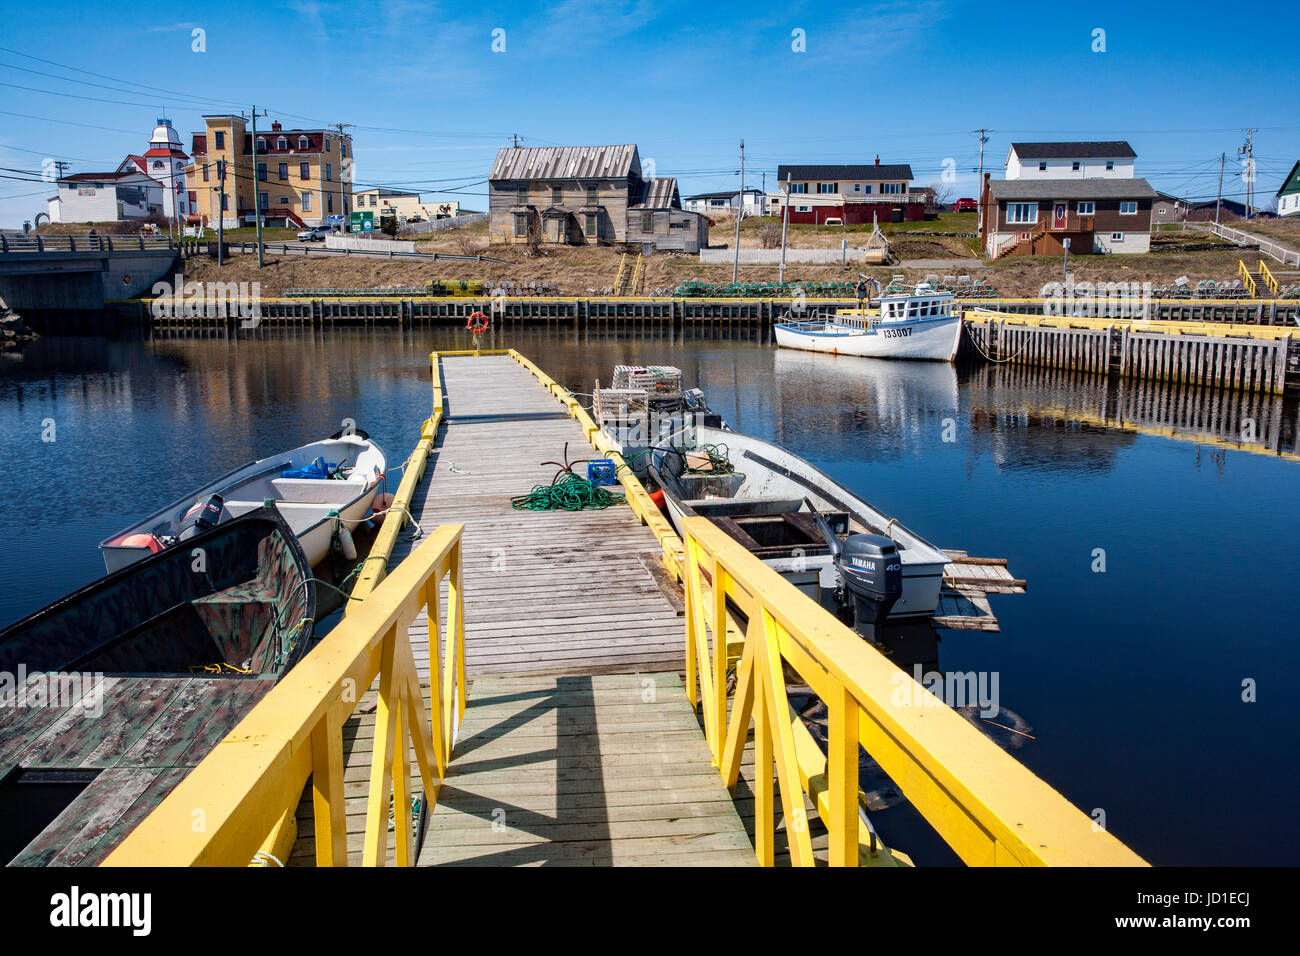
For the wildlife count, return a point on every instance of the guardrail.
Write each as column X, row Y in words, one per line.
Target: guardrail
column 989, row 808
column 1267, row 246
column 86, row 243
column 194, row 247
column 241, row 789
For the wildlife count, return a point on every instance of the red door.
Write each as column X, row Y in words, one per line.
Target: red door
column 1058, row 216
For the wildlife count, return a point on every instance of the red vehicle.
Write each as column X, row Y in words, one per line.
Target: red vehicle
column 965, row 205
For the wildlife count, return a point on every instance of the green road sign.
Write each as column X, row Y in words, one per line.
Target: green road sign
column 361, row 222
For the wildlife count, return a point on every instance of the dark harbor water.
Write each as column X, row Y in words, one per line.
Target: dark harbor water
column 1130, row 680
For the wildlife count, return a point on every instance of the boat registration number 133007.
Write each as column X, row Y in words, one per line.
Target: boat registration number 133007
column 896, row 333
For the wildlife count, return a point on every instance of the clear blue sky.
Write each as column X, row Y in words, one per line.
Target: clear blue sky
column 685, row 81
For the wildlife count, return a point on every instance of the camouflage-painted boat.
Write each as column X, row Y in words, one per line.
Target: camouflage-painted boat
column 109, row 695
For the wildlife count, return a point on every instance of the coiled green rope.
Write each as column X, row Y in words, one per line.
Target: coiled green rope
column 568, row 492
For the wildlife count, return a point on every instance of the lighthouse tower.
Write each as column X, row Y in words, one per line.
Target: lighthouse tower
column 165, row 162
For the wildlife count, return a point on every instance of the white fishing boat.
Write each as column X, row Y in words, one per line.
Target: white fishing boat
column 322, row 490
column 918, row 325
column 761, row 494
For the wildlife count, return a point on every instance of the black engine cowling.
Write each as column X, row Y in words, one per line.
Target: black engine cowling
column 872, row 571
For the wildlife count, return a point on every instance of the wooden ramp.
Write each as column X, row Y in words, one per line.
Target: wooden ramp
column 583, row 770
column 567, row 616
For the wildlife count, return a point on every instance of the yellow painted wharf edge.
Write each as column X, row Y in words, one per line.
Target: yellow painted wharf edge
column 1212, row 329
column 221, row 813
column 985, row 804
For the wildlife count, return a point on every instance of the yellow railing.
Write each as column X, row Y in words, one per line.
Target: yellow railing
column 1269, row 279
column 221, row 813
column 988, row 807
column 1246, row 277
column 1170, row 327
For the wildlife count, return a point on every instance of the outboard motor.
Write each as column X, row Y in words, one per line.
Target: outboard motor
column 201, row 517
column 870, row 571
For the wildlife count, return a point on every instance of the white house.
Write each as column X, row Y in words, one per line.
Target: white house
column 105, row 197
column 725, row 202
column 1288, row 194
column 164, row 162
column 1099, row 160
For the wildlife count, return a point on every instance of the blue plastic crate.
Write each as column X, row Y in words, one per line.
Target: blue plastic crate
column 600, row 471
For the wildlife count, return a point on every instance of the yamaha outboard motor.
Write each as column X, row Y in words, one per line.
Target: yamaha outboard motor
column 871, row 574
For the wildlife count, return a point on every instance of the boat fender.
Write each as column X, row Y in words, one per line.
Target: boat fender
column 347, row 546
column 657, row 496
column 146, row 540
column 382, row 502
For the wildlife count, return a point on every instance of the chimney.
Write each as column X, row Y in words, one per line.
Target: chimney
column 877, row 159
column 275, row 127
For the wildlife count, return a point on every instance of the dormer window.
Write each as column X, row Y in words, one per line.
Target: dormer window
column 261, row 144
column 303, row 142
column 281, row 143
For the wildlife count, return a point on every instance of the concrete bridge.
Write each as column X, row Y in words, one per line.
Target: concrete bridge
column 57, row 274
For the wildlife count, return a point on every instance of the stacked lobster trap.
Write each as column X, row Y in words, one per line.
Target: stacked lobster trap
column 642, row 399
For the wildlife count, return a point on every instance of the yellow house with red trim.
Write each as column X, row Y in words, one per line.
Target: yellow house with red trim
column 298, row 178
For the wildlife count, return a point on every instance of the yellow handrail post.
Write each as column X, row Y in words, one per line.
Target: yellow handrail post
column 327, row 792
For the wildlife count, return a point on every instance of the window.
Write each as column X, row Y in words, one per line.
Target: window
column 522, row 191
column 1110, row 165
column 329, row 202
column 283, row 170
column 261, row 144
column 828, row 187
column 1117, row 236
column 306, row 202
column 329, row 171
column 521, row 225
column 1042, row 167
column 284, row 200
column 557, row 195
column 1128, row 207
column 304, row 170
column 1022, row 212
column 263, row 200
column 867, row 189
column 1085, row 208
column 894, row 188
column 593, row 225
column 327, row 144
column 803, row 209
column 221, row 139
column 205, row 172
column 593, row 195
column 647, row 222
column 281, row 143
column 304, row 142
column 343, row 148
column 372, row 200
column 261, row 170
column 798, row 187
column 1075, row 166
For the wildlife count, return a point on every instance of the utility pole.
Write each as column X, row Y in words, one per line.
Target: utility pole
column 762, row 208
column 740, row 214
column 1249, row 152
column 785, row 223
column 60, row 165
column 343, row 199
column 221, row 212
column 1219, row 198
column 514, row 140
column 979, row 183
column 257, row 194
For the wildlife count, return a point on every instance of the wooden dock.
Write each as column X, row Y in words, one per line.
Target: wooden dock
column 578, row 744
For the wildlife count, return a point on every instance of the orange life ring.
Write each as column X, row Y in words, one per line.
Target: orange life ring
column 478, row 322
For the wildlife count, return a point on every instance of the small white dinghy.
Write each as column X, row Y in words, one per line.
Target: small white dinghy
column 917, row 325
column 327, row 491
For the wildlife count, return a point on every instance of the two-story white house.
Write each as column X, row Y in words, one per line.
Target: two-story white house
column 1099, row 160
column 853, row 194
